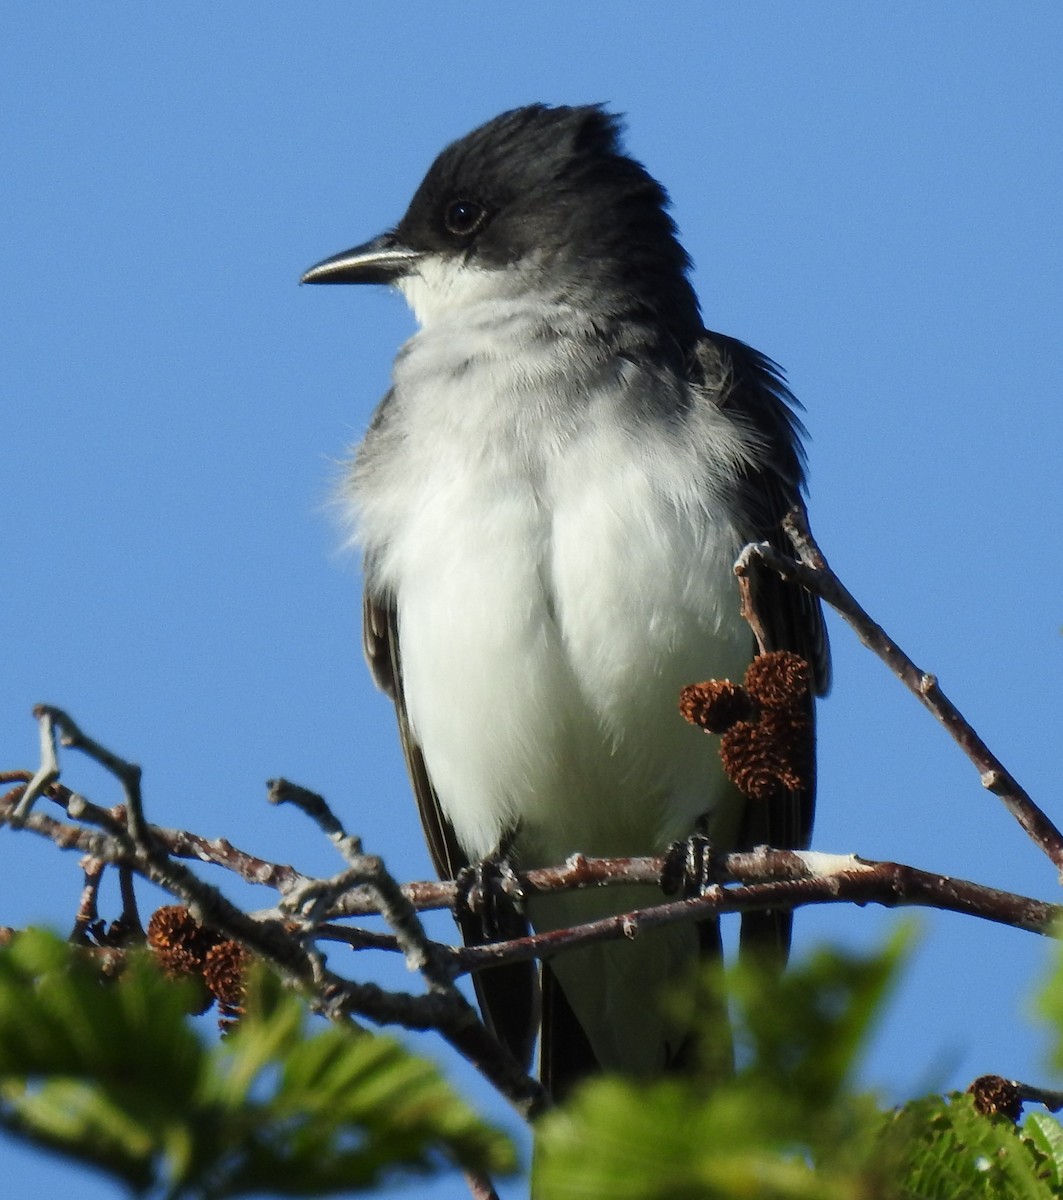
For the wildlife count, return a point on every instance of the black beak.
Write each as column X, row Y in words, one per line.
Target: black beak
column 383, row 260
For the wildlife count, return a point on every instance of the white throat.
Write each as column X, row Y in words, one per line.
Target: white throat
column 443, row 287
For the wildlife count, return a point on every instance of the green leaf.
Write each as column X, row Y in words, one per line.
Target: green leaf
column 1049, row 1001
column 786, row 1126
column 88, row 1068
column 811, row 1024
column 112, row 1075
column 631, row 1141
column 346, row 1105
column 947, row 1150
column 1045, row 1135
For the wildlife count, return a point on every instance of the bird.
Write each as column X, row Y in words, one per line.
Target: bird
column 549, row 501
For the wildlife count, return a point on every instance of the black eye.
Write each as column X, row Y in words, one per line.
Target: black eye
column 463, row 217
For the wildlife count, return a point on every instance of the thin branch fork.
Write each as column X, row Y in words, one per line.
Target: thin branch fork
column 765, row 878
column 286, row 937
column 770, row 879
column 288, row 947
column 856, row 881
column 756, row 880
column 760, row 879
column 811, row 571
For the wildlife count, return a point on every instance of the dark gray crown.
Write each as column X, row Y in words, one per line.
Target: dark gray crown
column 557, row 188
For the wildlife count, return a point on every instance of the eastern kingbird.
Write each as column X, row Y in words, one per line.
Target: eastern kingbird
column 550, row 500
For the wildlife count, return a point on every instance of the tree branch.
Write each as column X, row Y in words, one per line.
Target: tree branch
column 811, row 571
column 309, row 910
column 292, row 952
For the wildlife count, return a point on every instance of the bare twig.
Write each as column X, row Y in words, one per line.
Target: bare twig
column 1051, row 1099
column 221, row 852
column 46, row 774
column 358, row 938
column 994, row 1094
column 134, row 846
column 480, row 1186
column 52, row 720
column 281, row 791
column 88, row 915
column 129, row 920
column 761, row 879
column 800, row 878
column 456, row 1019
column 367, row 871
column 768, row 879
column 750, row 613
column 812, row 572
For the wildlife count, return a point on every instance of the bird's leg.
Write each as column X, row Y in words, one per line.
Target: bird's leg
column 690, row 865
column 489, row 906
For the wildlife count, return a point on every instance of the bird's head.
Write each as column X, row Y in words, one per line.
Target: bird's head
column 539, row 199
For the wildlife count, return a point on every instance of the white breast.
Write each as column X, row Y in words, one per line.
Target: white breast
column 559, row 574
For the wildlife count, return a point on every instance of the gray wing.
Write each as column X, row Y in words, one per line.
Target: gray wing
column 381, row 644
column 508, row 995
column 752, row 388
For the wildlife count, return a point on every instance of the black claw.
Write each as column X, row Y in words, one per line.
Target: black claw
column 689, row 867
column 489, row 905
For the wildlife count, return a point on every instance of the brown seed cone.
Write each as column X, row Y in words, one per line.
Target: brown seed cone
column 779, row 679
column 224, row 971
column 767, row 756
column 178, row 940
column 994, row 1094
column 790, row 734
column 714, row 705
column 748, row 761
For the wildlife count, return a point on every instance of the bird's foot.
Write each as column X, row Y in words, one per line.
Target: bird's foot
column 489, row 905
column 689, row 866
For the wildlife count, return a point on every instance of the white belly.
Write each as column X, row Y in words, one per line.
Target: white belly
column 551, row 603
column 558, row 577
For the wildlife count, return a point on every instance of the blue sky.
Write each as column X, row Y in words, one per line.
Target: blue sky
column 871, row 194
